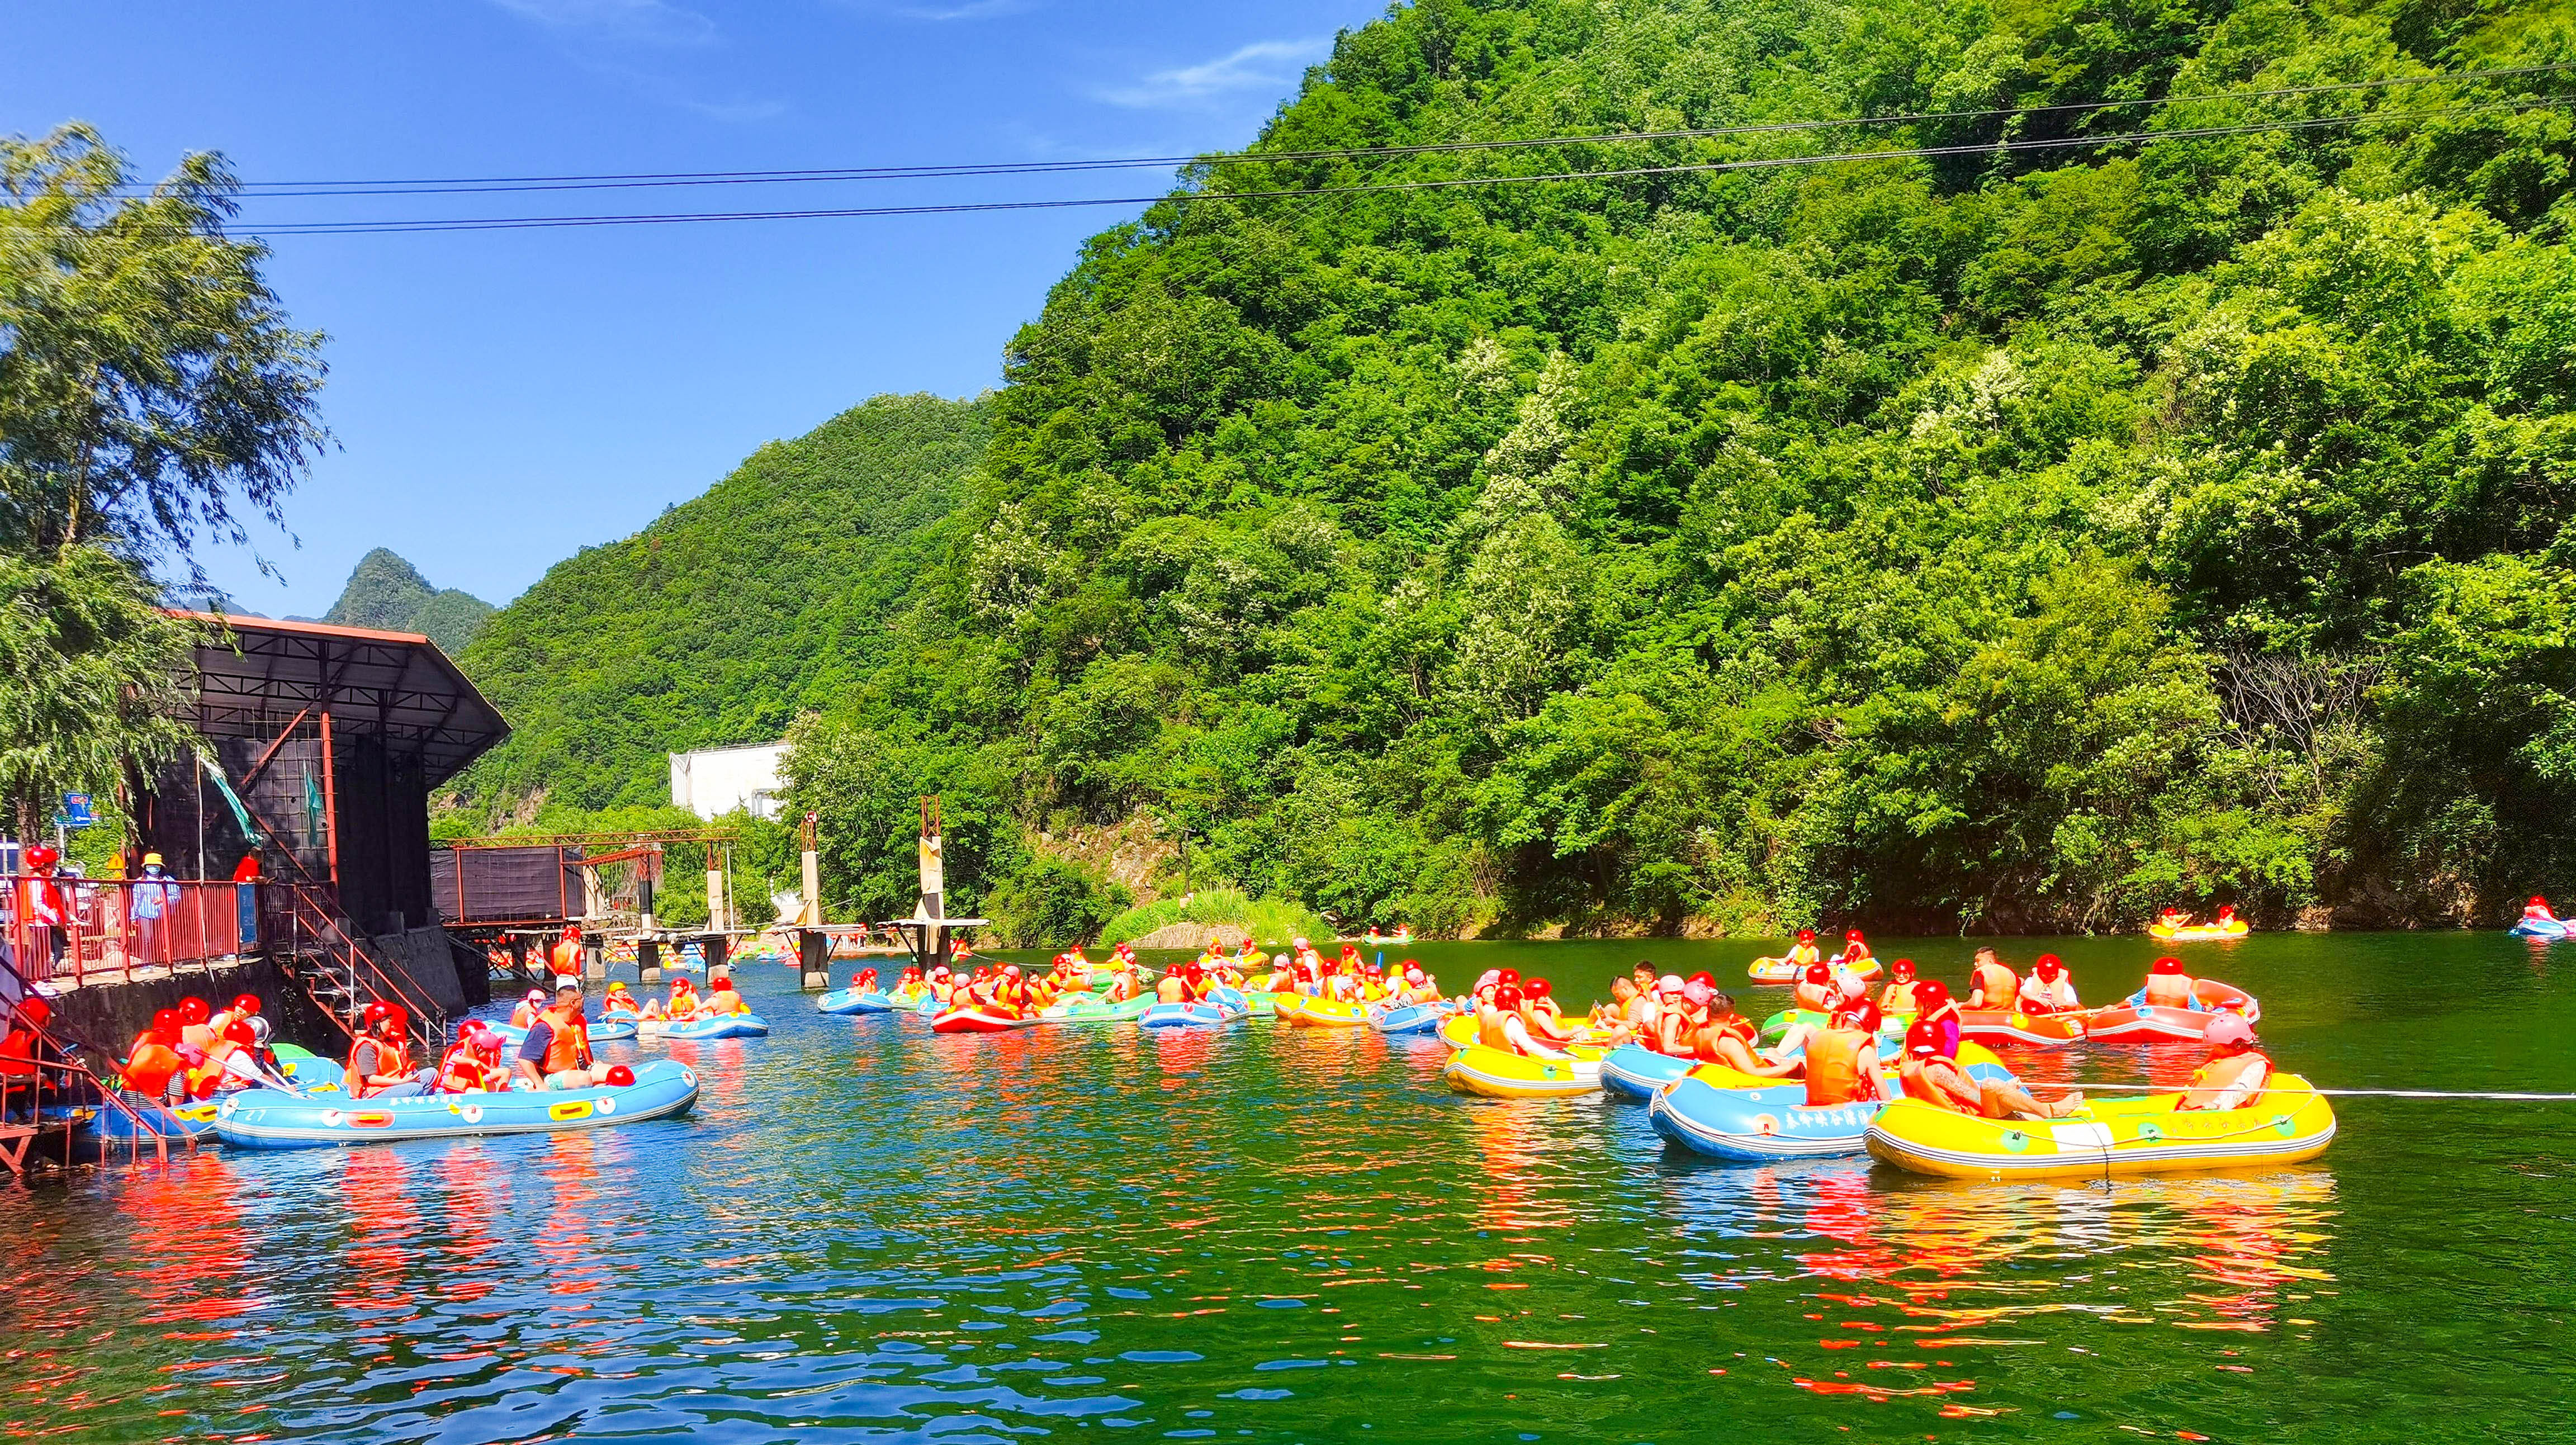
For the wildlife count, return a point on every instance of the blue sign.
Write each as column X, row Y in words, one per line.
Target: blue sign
column 76, row 811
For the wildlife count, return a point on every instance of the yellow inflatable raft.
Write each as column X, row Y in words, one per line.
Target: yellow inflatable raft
column 1320, row 1013
column 1781, row 970
column 2285, row 1124
column 2198, row 932
column 1502, row 1074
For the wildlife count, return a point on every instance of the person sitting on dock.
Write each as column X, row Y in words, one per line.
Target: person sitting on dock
column 1991, row 985
column 1898, row 996
column 2167, row 986
column 1842, row 1058
column 379, row 1065
column 2236, row 1073
column 2049, row 989
column 556, row 1053
column 532, row 1005
column 1933, row 1076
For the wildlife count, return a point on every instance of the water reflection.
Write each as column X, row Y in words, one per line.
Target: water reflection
column 873, row 1232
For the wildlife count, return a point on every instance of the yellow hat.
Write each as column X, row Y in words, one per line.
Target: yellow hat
column 150, row 859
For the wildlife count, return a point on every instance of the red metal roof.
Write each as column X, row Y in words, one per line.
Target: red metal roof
column 398, row 685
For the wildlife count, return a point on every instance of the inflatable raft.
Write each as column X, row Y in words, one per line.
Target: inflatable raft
column 1633, row 1071
column 854, row 1001
column 1409, row 1018
column 1320, row 1013
column 1499, row 1074
column 182, row 1121
column 2543, row 928
column 1781, row 970
column 2198, row 932
column 2034, row 1031
column 2285, row 1124
column 1215, row 1011
column 2149, row 1022
column 977, row 1019
column 271, row 1119
column 1087, row 1008
column 1726, row 1115
column 722, row 1026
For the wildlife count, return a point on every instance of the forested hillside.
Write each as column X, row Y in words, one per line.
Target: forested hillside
column 721, row 621
column 384, row 591
column 2009, row 538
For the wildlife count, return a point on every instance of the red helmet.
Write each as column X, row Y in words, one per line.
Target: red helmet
column 2049, row 966
column 1508, row 998
column 238, row 1032
column 35, row 1011
column 194, row 1010
column 1923, row 1039
column 166, row 1022
column 1535, row 988
column 1511, row 975
column 1819, row 975
column 2539, row 902
column 247, row 1003
column 1852, row 936
column 42, row 855
column 1930, row 994
column 620, row 1077
column 1806, row 935
column 1903, row 969
column 1705, row 978
column 1866, row 1015
column 2166, row 965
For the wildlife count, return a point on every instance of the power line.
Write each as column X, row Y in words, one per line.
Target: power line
column 1980, row 148
column 489, row 185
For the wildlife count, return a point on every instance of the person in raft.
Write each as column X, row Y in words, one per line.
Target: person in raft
column 1855, row 948
column 154, row 1057
column 472, row 1065
column 1816, row 989
column 722, row 1000
column 1804, row 950
column 1933, row 1075
column 556, row 1053
column 1898, row 996
column 379, row 1065
column 2049, row 989
column 1419, row 987
column 1727, row 1038
column 1502, row 1025
column 1992, row 986
column 2167, row 986
column 2172, row 917
column 2226, row 914
column 2237, row 1070
column 530, row 1006
column 1933, row 1005
column 864, row 981
column 621, row 1004
column 2537, row 911
column 1842, row 1058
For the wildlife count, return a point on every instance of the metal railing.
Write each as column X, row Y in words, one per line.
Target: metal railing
column 32, row 1056
column 336, row 969
column 78, row 931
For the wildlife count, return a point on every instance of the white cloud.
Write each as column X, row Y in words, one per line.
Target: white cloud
column 635, row 22
column 1263, row 65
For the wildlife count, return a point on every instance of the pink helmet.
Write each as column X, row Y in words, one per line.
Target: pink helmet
column 2228, row 1031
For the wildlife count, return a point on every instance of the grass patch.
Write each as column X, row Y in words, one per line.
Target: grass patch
column 1270, row 921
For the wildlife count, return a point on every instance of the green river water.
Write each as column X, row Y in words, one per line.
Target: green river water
column 868, row 1232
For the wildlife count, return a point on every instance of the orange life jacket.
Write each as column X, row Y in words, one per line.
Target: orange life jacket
column 1833, row 1068
column 393, row 1056
column 2219, row 1075
column 462, row 1071
column 570, row 1048
column 1999, row 985
column 148, row 1068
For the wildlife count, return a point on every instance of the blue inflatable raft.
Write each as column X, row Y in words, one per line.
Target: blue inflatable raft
column 272, row 1119
column 1215, row 1011
column 854, row 1001
column 1632, row 1071
column 1410, row 1018
column 1765, row 1126
column 723, row 1026
column 2548, row 928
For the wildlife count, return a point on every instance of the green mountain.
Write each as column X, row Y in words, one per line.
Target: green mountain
column 389, row 593
column 731, row 613
column 2143, row 481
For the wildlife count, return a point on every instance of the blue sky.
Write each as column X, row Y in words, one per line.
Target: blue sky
column 503, row 399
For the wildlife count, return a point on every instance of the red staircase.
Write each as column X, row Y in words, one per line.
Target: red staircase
column 316, row 946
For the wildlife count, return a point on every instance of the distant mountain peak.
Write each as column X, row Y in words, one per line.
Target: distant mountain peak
column 388, row 593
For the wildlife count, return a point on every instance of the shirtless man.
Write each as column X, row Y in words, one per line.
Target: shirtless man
column 1936, row 1078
